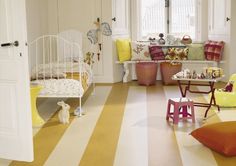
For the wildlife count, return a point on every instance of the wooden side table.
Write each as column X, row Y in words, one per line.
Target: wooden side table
column 36, row 118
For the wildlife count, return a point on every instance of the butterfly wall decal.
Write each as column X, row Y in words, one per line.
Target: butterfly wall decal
column 104, row 28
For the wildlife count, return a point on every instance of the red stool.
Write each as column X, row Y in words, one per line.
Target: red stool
column 180, row 104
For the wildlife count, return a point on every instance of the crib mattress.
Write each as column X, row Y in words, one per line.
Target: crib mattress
column 69, row 88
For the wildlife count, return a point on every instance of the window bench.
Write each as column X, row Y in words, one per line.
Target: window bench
column 129, row 67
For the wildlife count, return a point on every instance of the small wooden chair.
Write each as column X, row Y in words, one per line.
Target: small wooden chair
column 180, row 104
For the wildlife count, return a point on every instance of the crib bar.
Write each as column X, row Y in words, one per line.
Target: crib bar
column 64, row 57
column 44, row 72
column 58, row 61
column 71, row 61
column 36, row 61
column 50, row 56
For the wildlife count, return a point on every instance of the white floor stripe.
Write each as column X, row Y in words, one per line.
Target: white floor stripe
column 132, row 147
column 72, row 145
column 191, row 151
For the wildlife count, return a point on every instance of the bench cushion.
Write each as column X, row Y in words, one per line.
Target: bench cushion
column 156, row 52
column 123, row 49
column 214, row 50
column 177, row 54
column 196, row 51
column 140, row 51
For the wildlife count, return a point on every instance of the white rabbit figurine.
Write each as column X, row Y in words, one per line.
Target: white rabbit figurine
column 64, row 114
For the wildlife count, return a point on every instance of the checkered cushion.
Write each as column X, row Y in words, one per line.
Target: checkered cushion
column 156, row 53
column 214, row 50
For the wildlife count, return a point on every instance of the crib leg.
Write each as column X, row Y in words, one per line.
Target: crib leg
column 93, row 92
column 78, row 111
column 80, row 106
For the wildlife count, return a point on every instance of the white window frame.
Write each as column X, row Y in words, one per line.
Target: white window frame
column 136, row 21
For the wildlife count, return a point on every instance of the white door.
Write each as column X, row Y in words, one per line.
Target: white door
column 120, row 17
column 219, row 16
column 15, row 114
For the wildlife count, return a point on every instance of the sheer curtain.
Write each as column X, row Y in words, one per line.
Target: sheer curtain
column 181, row 15
column 152, row 17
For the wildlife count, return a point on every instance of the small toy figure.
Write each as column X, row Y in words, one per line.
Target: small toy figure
column 161, row 40
column 64, row 114
column 229, row 86
column 89, row 58
column 194, row 76
column 203, row 76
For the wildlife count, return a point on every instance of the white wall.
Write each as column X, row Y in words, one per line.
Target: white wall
column 37, row 23
column 203, row 20
column 37, row 16
column 232, row 59
column 226, row 36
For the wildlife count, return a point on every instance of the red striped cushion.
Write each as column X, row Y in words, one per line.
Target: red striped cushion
column 214, row 50
column 156, row 53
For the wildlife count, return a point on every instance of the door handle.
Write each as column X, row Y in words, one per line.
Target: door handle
column 15, row 43
column 113, row 19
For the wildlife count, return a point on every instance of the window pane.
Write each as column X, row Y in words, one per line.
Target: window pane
column 152, row 17
column 183, row 17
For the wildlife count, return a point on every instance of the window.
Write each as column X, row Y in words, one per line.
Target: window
column 177, row 17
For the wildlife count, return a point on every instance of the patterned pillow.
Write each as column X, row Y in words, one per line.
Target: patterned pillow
column 196, row 51
column 140, row 51
column 177, row 54
column 156, row 52
column 214, row 50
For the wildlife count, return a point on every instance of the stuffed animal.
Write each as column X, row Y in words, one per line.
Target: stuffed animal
column 64, row 114
column 229, row 86
column 89, row 58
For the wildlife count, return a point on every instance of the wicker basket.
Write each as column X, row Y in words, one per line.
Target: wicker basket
column 146, row 73
column 168, row 69
column 186, row 39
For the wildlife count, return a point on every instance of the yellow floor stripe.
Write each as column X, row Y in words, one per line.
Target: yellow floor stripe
column 163, row 148
column 47, row 138
column 101, row 148
column 72, row 145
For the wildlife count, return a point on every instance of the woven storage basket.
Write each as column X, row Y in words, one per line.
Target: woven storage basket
column 168, row 69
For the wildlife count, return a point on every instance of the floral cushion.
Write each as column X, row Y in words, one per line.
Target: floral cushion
column 156, row 52
column 177, row 54
column 214, row 50
column 140, row 51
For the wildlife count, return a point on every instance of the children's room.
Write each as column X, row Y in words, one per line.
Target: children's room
column 117, row 82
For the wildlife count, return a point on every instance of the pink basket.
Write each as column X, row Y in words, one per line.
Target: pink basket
column 146, row 73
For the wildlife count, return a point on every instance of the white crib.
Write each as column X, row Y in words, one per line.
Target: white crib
column 57, row 65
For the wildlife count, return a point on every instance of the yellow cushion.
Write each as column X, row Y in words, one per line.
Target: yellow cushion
column 219, row 137
column 123, row 49
column 227, row 99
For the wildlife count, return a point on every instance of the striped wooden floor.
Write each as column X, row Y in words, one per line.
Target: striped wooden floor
column 125, row 125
